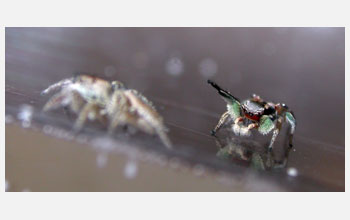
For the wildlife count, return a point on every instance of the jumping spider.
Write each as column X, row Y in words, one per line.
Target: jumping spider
column 264, row 116
column 94, row 98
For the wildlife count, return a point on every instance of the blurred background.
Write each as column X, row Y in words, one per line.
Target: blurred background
column 302, row 67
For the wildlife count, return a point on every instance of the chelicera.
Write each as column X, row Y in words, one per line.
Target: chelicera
column 255, row 113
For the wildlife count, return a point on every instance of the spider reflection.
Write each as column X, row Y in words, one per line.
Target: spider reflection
column 251, row 153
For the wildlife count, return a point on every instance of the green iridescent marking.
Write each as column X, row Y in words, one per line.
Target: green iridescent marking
column 234, row 109
column 266, row 125
column 290, row 118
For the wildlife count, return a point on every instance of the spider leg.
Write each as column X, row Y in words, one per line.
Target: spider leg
column 76, row 102
column 240, row 129
column 273, row 139
column 144, row 126
column 88, row 111
column 56, row 101
column 275, row 133
column 161, row 131
column 243, row 130
column 124, row 118
column 57, row 85
column 117, row 119
column 221, row 122
column 152, row 127
column 147, row 112
column 292, row 122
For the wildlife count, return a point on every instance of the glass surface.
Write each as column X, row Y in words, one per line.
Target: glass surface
column 302, row 67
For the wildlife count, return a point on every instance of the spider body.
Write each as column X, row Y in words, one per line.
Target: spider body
column 255, row 113
column 94, row 98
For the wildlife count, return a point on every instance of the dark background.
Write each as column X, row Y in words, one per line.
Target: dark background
column 302, row 67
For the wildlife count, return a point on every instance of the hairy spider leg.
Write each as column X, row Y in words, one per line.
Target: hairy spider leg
column 242, row 130
column 57, row 100
column 76, row 102
column 275, row 133
column 266, row 125
column 116, row 108
column 57, row 85
column 149, row 114
column 91, row 111
column 273, row 139
column 290, row 118
column 233, row 107
column 221, row 122
column 127, row 118
column 65, row 98
column 161, row 131
column 223, row 92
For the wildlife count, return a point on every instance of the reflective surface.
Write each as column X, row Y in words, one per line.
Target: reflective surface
column 302, row 67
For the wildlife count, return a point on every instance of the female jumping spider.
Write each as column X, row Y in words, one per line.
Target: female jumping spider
column 94, row 98
column 264, row 116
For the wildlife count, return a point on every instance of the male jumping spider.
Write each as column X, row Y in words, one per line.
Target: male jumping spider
column 264, row 116
column 94, row 98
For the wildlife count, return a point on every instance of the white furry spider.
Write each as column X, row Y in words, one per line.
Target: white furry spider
column 94, row 98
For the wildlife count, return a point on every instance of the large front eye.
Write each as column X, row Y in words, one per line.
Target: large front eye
column 284, row 106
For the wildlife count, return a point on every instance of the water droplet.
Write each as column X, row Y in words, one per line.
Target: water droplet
column 101, row 160
column 25, row 115
column 208, row 67
column 130, row 169
column 110, row 71
column 174, row 66
column 291, row 171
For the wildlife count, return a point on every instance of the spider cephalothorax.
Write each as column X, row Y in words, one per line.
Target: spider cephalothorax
column 94, row 98
column 264, row 116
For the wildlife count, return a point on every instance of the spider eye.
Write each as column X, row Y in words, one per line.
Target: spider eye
column 284, row 106
column 117, row 85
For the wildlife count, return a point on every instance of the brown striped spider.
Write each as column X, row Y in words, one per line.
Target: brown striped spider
column 94, row 98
